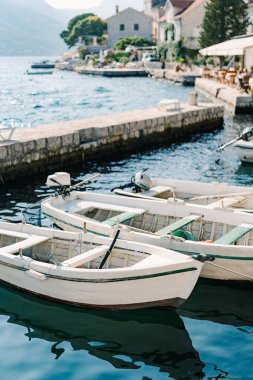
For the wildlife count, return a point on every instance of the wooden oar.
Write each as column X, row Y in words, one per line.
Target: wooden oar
column 219, row 196
column 109, row 250
column 85, row 181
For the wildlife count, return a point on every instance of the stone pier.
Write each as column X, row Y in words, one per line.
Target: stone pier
column 45, row 148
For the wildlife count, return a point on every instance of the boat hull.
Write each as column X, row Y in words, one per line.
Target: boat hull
column 133, row 294
column 244, row 151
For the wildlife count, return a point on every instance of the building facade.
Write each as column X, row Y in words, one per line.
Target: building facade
column 181, row 20
column 128, row 23
column 189, row 22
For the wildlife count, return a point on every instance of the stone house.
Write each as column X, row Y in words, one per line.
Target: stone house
column 163, row 13
column 128, row 23
column 188, row 23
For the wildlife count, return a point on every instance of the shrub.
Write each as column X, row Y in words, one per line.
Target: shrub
column 118, row 56
column 133, row 41
column 83, row 52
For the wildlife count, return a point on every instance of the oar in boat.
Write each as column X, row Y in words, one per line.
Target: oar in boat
column 109, row 250
column 218, row 196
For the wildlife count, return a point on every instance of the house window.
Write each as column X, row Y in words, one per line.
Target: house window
column 136, row 26
column 122, row 27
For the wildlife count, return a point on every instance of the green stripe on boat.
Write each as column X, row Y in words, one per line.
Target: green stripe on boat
column 105, row 280
column 183, row 252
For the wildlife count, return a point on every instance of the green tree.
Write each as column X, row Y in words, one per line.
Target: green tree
column 90, row 26
column 223, row 20
column 65, row 33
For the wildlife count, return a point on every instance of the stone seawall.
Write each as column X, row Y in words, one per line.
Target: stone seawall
column 47, row 147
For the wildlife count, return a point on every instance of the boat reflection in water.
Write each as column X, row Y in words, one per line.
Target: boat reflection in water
column 229, row 304
column 153, row 337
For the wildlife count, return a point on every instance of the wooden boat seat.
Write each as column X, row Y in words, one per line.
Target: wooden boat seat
column 235, row 234
column 121, row 218
column 157, row 190
column 15, row 234
column 178, row 224
column 83, row 258
column 27, row 243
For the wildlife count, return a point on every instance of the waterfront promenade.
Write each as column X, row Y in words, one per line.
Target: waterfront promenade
column 116, row 72
column 47, row 147
column 238, row 102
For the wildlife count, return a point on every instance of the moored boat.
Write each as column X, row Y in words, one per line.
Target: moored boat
column 243, row 145
column 244, row 150
column 213, row 194
column 39, row 72
column 43, row 65
column 188, row 228
column 93, row 271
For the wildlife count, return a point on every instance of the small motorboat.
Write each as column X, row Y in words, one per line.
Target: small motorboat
column 214, row 194
column 93, row 271
column 243, row 145
column 46, row 64
column 39, row 72
column 226, row 234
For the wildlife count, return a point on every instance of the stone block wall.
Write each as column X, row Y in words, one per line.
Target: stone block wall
column 104, row 137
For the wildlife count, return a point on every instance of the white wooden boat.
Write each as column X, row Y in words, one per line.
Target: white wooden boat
column 244, row 150
column 213, row 194
column 70, row 268
column 226, row 234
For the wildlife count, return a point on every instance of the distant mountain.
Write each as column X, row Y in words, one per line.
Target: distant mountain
column 32, row 27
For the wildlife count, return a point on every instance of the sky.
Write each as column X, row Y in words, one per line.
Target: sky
column 74, row 4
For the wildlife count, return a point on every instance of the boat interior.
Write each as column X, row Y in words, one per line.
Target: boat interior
column 69, row 253
column 170, row 194
column 192, row 227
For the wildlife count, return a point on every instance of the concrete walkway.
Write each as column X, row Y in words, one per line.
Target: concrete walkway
column 240, row 103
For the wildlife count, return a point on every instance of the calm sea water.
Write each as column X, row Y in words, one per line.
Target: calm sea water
column 210, row 337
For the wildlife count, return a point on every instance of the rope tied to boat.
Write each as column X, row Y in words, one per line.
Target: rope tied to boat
column 231, row 271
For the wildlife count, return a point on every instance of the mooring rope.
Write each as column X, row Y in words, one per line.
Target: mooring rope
column 230, row 270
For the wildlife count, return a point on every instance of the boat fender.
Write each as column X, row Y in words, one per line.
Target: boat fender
column 202, row 257
column 142, row 181
column 36, row 275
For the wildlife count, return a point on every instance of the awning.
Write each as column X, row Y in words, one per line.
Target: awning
column 231, row 47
